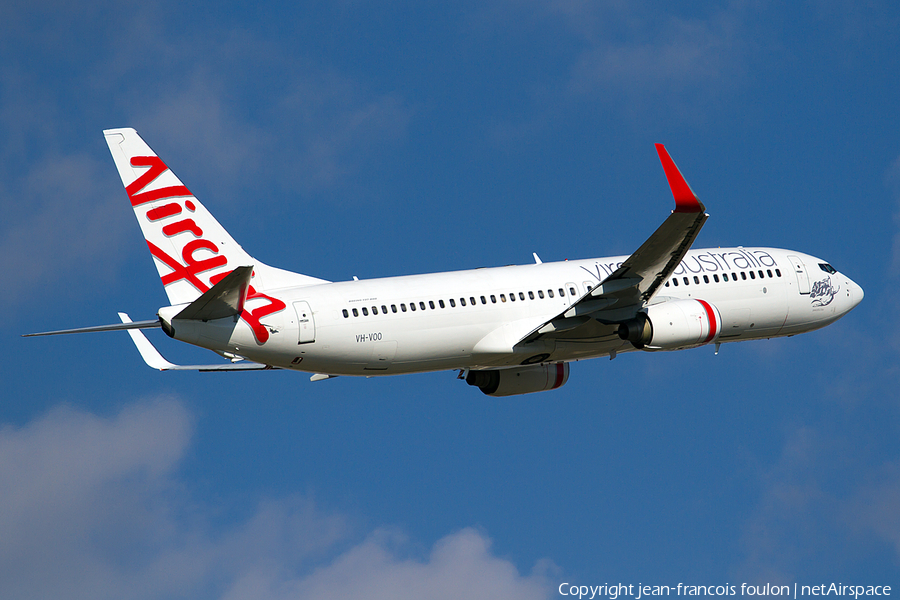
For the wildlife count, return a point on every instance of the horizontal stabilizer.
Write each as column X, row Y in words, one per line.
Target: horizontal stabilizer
column 116, row 327
column 155, row 360
column 225, row 299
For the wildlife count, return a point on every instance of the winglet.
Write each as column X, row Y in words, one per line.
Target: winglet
column 685, row 199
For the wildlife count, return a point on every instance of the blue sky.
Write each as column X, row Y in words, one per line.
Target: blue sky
column 373, row 139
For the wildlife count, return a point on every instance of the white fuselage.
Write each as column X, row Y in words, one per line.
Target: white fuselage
column 475, row 318
column 510, row 330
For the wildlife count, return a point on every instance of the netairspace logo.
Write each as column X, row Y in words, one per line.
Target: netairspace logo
column 639, row 591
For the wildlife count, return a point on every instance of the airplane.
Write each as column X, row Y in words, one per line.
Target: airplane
column 507, row 330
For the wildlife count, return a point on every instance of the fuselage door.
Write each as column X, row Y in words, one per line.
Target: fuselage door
column 802, row 276
column 307, row 325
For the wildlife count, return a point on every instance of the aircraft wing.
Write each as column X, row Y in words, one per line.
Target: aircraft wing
column 633, row 285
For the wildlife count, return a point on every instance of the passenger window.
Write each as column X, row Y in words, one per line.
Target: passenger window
column 472, row 300
column 752, row 275
column 393, row 308
column 675, row 281
column 374, row 310
column 462, row 302
column 541, row 294
column 686, row 281
column 761, row 276
column 493, row 299
column 403, row 307
column 441, row 304
column 705, row 279
column 531, row 295
column 724, row 276
column 355, row 313
column 365, row 311
column 521, row 296
column 589, row 287
column 667, row 284
column 453, row 303
column 778, row 272
column 743, row 276
column 716, row 278
column 571, row 291
column 346, row 314
column 431, row 304
column 384, row 309
column 412, row 306
column 550, row 293
column 483, row 301
column 769, row 271
column 562, row 293
column 696, row 280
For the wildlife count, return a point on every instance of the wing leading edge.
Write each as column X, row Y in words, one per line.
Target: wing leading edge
column 632, row 286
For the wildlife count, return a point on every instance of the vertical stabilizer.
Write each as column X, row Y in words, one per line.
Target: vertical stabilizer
column 192, row 251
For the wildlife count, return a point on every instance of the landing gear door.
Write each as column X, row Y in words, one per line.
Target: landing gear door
column 802, row 276
column 307, row 325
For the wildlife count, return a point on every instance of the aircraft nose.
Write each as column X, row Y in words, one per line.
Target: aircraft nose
column 856, row 293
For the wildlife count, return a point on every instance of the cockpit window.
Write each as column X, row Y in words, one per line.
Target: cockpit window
column 827, row 268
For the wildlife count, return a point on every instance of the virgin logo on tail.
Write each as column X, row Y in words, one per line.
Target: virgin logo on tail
column 165, row 215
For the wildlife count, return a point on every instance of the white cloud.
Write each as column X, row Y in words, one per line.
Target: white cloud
column 635, row 47
column 63, row 215
column 199, row 94
column 874, row 507
column 892, row 180
column 331, row 123
column 459, row 566
column 93, row 507
column 239, row 107
column 80, row 497
column 777, row 535
column 642, row 62
column 823, row 493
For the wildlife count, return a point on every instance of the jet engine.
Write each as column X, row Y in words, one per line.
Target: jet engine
column 520, row 380
column 673, row 325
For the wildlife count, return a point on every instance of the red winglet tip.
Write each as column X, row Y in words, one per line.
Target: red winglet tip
column 685, row 199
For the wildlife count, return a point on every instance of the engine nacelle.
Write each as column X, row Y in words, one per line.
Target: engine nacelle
column 520, row 380
column 673, row 325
